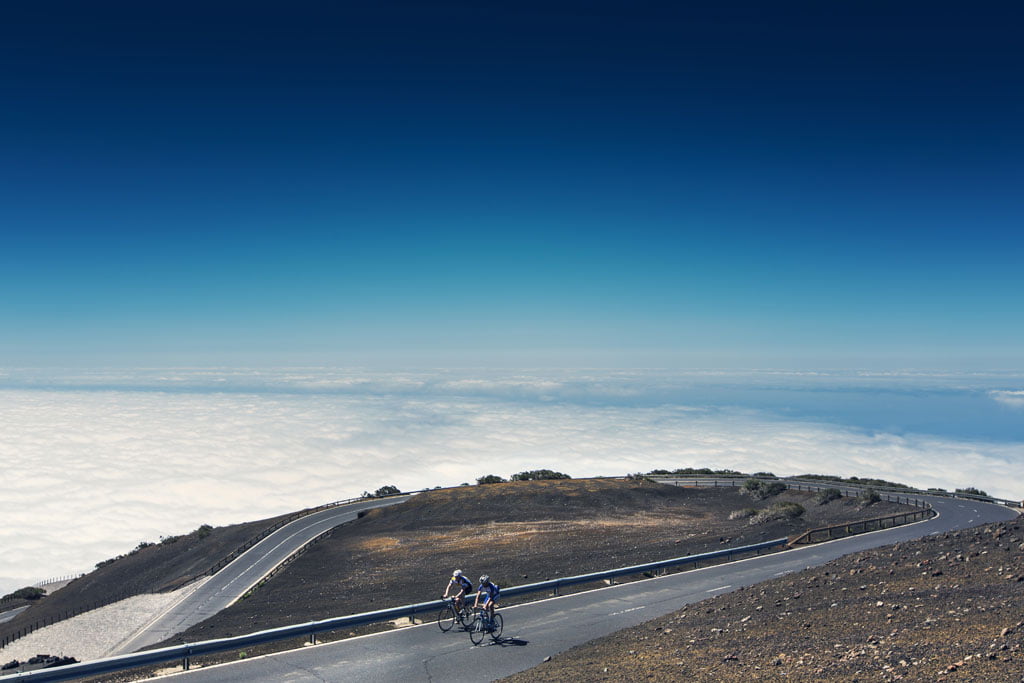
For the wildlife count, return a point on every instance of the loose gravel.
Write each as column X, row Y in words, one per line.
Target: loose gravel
column 97, row 633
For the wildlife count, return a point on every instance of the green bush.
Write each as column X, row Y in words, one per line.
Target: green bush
column 868, row 496
column 387, row 490
column 689, row 471
column 759, row 490
column 970, row 490
column 535, row 475
column 490, row 479
column 204, row 531
column 26, row 593
column 764, row 475
column 826, row 496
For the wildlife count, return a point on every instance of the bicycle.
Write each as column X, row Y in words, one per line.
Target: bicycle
column 482, row 624
column 449, row 614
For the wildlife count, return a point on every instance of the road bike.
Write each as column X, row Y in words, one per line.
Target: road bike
column 450, row 615
column 482, row 624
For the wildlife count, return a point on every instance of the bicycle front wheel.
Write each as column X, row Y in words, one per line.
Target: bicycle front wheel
column 496, row 627
column 476, row 630
column 446, row 618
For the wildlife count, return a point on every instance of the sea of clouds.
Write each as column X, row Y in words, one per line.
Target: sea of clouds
column 95, row 462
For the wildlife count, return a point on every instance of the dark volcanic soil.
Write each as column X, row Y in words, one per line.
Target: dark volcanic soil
column 517, row 532
column 944, row 608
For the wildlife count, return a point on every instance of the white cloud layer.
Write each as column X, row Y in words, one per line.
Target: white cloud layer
column 90, row 473
column 1014, row 399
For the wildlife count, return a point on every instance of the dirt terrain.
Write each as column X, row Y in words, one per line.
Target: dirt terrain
column 944, row 608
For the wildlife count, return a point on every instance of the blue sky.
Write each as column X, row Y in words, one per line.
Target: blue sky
column 803, row 184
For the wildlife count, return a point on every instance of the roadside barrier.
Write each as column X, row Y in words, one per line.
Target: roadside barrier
column 828, row 533
column 186, row 652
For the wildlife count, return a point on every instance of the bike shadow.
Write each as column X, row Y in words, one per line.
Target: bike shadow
column 510, row 642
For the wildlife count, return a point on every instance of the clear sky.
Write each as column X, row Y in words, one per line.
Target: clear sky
column 744, row 183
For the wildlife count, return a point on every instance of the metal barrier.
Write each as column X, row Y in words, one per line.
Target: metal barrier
column 850, row 528
column 186, row 652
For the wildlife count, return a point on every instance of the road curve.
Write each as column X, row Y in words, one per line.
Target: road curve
column 544, row 628
column 234, row 580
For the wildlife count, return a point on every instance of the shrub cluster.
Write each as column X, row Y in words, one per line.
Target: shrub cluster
column 778, row 511
column 535, row 475
column 826, row 496
column 859, row 481
column 743, row 514
column 972, row 491
column 760, row 490
column 490, row 479
column 690, row 471
column 26, row 593
column 386, row 490
column 868, row 496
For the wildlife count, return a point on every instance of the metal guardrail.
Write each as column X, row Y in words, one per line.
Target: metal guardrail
column 850, row 528
column 189, row 650
column 737, row 480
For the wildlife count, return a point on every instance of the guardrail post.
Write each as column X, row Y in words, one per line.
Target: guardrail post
column 185, row 660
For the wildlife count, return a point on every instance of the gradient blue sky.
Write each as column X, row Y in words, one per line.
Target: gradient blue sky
column 788, row 184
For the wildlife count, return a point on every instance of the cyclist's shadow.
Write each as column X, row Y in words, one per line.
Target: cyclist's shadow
column 510, row 642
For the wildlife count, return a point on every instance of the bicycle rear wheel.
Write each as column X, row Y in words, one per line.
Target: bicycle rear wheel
column 446, row 618
column 476, row 630
column 497, row 626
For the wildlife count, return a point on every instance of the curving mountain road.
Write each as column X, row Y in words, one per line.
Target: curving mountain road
column 233, row 581
column 539, row 629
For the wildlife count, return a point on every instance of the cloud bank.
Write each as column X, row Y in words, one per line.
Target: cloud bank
column 91, row 472
column 1014, row 399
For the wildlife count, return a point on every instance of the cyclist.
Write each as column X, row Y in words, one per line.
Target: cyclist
column 489, row 592
column 460, row 585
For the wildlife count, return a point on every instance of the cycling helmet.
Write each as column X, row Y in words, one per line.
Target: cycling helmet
column 457, row 572
column 485, row 579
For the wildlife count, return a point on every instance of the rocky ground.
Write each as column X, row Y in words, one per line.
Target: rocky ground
column 944, row 608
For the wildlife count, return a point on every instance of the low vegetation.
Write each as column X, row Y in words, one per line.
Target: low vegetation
column 857, row 481
column 537, row 475
column 826, row 496
column 868, row 497
column 383, row 492
column 970, row 490
column 26, row 593
column 778, row 511
column 759, row 490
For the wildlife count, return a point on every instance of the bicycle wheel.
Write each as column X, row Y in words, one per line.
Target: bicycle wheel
column 446, row 618
column 476, row 630
column 496, row 630
column 465, row 617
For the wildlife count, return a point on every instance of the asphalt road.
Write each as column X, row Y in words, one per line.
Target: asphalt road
column 11, row 613
column 234, row 580
column 540, row 629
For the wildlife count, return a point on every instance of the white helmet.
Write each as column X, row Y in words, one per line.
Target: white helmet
column 485, row 579
column 457, row 572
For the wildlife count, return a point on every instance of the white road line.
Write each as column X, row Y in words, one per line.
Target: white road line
column 631, row 609
column 720, row 588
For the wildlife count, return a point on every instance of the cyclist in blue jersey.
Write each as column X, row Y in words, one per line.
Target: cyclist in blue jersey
column 460, row 586
column 489, row 592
